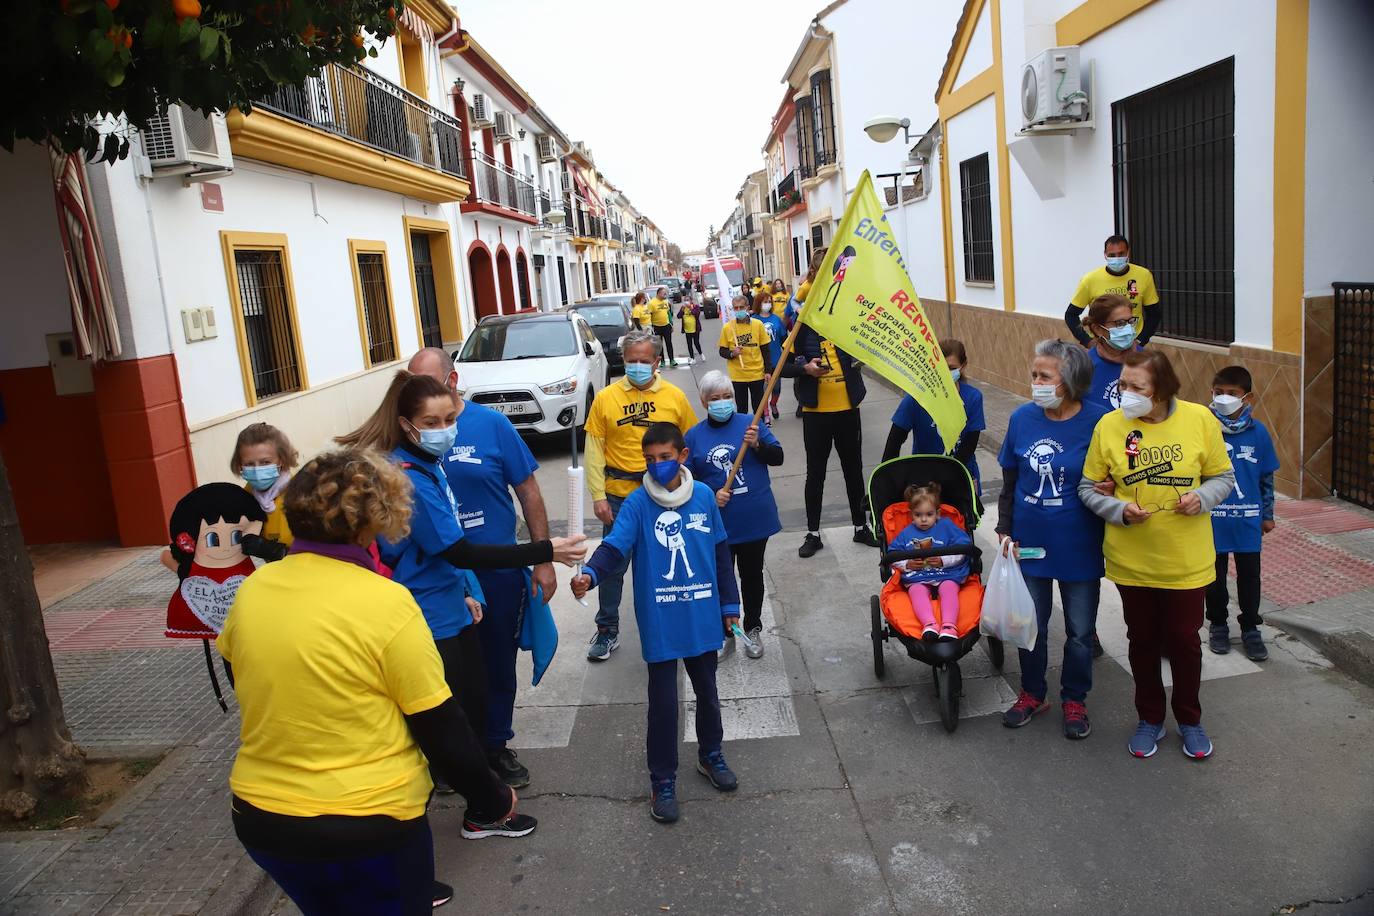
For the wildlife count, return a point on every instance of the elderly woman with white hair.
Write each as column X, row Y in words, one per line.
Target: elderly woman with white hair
column 1042, row 461
column 748, row 508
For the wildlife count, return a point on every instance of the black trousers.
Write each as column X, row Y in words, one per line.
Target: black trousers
column 465, row 672
column 1247, row 591
column 693, row 342
column 748, row 396
column 841, row 431
column 665, row 333
column 749, row 567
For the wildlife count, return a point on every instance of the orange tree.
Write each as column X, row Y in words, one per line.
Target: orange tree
column 70, row 62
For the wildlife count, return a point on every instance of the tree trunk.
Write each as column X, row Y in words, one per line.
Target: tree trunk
column 37, row 757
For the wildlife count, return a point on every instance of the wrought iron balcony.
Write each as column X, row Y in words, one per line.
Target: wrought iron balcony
column 362, row 106
column 497, row 183
column 785, row 195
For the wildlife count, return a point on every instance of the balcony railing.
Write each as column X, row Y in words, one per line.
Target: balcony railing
column 364, row 107
column 751, row 227
column 616, row 234
column 497, row 183
column 785, row 195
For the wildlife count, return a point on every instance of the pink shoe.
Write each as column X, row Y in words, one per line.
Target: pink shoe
column 930, row 633
column 949, row 632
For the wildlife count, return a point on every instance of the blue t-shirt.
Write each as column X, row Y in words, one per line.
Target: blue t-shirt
column 488, row 458
column 752, row 513
column 416, row 562
column 1106, row 381
column 1236, row 522
column 925, row 439
column 673, row 552
column 1048, row 457
column 944, row 533
column 777, row 332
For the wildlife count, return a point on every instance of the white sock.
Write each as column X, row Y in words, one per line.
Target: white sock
column 814, row 534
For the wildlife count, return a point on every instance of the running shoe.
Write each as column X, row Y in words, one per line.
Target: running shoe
column 1146, row 739
column 1076, row 724
column 810, row 544
column 1023, row 710
column 1219, row 638
column 1255, row 650
column 517, row 825
column 442, row 894
column 1196, row 744
column 715, row 769
column 754, row 648
column 664, row 807
column 603, row 644
column 512, row 772
column 864, row 535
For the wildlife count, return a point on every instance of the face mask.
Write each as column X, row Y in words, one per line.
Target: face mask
column 1045, row 396
column 955, row 373
column 663, row 472
column 1224, row 405
column 721, row 410
column 1117, row 264
column 766, row 307
column 1121, row 338
column 639, row 373
column 1134, row 406
column 740, row 315
column 438, row 441
column 262, row 477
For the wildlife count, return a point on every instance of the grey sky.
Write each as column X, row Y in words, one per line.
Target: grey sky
column 674, row 98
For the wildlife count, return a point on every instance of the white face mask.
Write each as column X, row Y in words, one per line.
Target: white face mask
column 1225, row 404
column 1135, row 405
column 1045, row 396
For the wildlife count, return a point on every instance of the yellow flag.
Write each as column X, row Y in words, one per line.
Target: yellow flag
column 862, row 301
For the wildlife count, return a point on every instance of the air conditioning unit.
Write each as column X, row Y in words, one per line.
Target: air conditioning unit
column 503, row 125
column 481, row 110
column 548, row 152
column 1052, row 88
column 567, row 183
column 182, row 140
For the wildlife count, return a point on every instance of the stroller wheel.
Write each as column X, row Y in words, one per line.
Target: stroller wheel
column 995, row 652
column 879, row 637
column 949, row 684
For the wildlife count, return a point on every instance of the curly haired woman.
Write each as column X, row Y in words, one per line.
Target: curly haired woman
column 345, row 706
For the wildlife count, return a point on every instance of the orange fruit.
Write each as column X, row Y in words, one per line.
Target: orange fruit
column 186, row 9
column 357, row 41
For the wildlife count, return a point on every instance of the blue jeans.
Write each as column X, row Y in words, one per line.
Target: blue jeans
column 504, row 590
column 1080, row 622
column 662, row 738
column 608, row 590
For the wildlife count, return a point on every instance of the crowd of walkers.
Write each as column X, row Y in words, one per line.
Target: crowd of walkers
column 409, row 594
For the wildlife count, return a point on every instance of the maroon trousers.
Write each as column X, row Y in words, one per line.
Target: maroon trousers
column 1159, row 621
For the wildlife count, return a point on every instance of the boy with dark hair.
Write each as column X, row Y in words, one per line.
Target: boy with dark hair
column 684, row 584
column 1245, row 516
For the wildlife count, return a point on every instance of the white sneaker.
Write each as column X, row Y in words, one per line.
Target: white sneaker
column 754, row 647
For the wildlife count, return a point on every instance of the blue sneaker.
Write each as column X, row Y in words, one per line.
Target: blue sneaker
column 603, row 644
column 714, row 768
column 664, row 808
column 1145, row 741
column 1196, row 744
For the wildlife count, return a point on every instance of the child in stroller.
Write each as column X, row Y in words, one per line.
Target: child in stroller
column 945, row 574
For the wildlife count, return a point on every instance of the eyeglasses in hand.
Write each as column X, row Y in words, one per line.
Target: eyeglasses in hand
column 1163, row 506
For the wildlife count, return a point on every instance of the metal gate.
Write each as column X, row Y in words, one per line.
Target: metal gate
column 1352, row 407
column 427, row 297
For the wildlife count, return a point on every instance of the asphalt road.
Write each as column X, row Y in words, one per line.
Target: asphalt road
column 854, row 800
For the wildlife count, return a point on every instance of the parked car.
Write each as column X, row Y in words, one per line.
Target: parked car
column 676, row 288
column 540, row 369
column 609, row 317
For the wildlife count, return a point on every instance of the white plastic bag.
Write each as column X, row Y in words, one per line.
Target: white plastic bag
column 1008, row 611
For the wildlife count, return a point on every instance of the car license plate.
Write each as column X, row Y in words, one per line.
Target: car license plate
column 512, row 409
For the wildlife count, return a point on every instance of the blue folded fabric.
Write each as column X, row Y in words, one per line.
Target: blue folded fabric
column 538, row 632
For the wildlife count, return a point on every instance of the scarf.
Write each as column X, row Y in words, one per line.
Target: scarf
column 1238, row 423
column 670, row 499
column 268, row 498
column 348, row 553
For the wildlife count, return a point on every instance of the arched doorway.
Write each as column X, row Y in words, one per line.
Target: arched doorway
column 522, row 276
column 504, row 278
column 483, row 282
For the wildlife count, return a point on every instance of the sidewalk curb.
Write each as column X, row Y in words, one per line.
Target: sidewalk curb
column 1350, row 650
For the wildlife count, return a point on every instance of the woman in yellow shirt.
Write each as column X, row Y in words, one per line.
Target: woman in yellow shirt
column 690, row 315
column 1155, row 469
column 744, row 345
column 345, row 707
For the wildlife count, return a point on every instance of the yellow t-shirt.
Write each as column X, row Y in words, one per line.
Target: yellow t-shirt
column 779, row 303
column 748, row 366
column 1137, row 284
column 1153, row 463
column 640, row 312
column 328, row 659
column 689, row 322
column 803, row 290
column 658, row 310
column 831, row 394
column 619, row 416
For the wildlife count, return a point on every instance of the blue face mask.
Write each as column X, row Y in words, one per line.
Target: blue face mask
column 663, row 472
column 1121, row 338
column 740, row 314
column 438, row 442
column 721, row 410
column 262, row 477
column 639, row 373
column 955, row 373
column 1118, row 265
